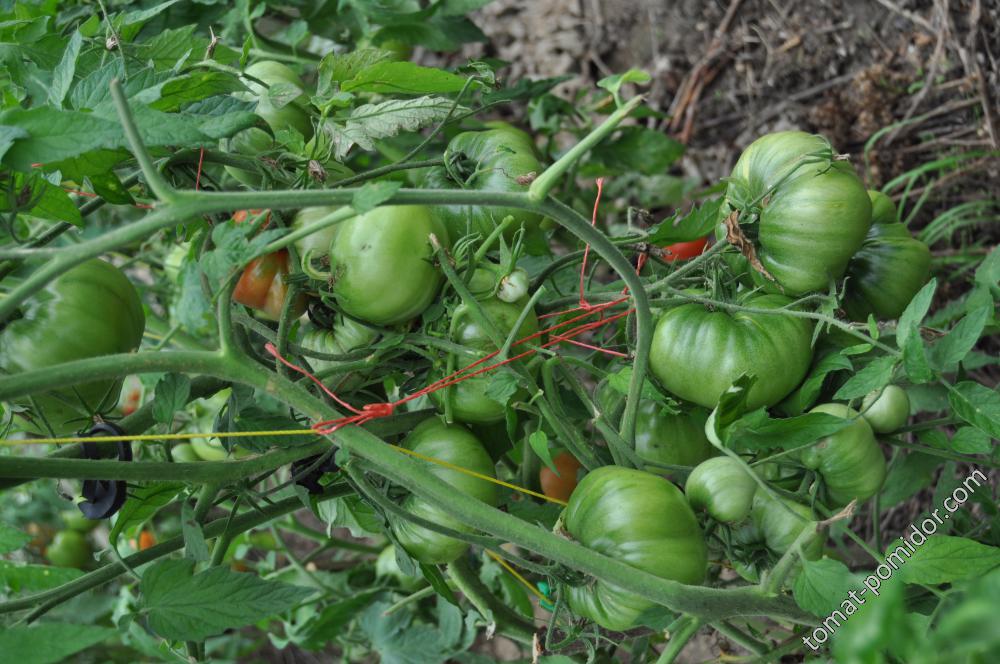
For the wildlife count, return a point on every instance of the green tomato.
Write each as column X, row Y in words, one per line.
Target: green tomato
column 250, row 142
column 382, row 265
column 295, row 113
column 886, row 410
column 347, row 335
column 850, row 460
column 665, row 439
column 639, row 519
column 470, row 401
column 455, row 445
column 698, row 353
column 781, row 521
column 75, row 520
column 70, row 548
column 885, row 274
column 314, row 249
column 184, row 453
column 496, row 160
column 811, row 217
column 883, row 209
column 89, row 311
column 722, row 487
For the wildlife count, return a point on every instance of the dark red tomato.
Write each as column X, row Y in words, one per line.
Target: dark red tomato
column 682, row 251
column 560, row 486
column 263, row 286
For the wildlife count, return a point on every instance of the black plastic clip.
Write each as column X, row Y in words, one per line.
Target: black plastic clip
column 102, row 498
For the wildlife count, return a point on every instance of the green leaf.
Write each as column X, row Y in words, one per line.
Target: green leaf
column 170, row 395
column 822, row 586
column 978, row 405
column 7, row 137
column 946, row 559
column 438, row 583
column 638, row 149
column 403, row 78
column 955, row 345
column 11, row 539
column 371, row 122
column 340, row 67
column 352, row 513
column 698, row 223
column 330, row 624
column 970, row 440
column 502, row 386
column 907, row 475
column 397, row 641
column 49, row 202
column 873, row 376
column 539, row 442
column 35, row 578
column 756, row 430
column 184, row 606
column 614, row 82
column 988, row 272
column 143, row 502
column 373, row 194
column 909, row 321
column 915, row 362
column 195, row 544
column 49, row 642
column 807, row 393
column 62, row 77
column 621, row 379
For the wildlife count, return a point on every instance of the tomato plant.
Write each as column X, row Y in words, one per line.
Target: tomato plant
column 365, row 358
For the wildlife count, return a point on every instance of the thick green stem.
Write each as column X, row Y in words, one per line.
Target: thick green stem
column 548, row 179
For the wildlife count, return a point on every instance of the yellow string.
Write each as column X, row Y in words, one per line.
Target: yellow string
column 152, row 437
column 481, row 476
column 513, row 572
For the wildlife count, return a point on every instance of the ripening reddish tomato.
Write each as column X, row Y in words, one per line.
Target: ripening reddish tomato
column 560, row 486
column 242, row 215
column 682, row 251
column 263, row 287
column 146, row 540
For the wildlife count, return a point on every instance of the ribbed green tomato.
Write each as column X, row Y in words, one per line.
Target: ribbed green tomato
column 781, row 521
column 698, row 353
column 346, row 335
column 886, row 410
column 722, row 487
column 382, row 263
column 501, row 159
column 663, row 438
column 70, row 548
column 456, row 445
column 89, row 311
column 883, row 209
column 850, row 460
column 250, row 142
column 639, row 519
column 293, row 114
column 469, row 399
column 812, row 217
column 314, row 249
column 885, row 274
